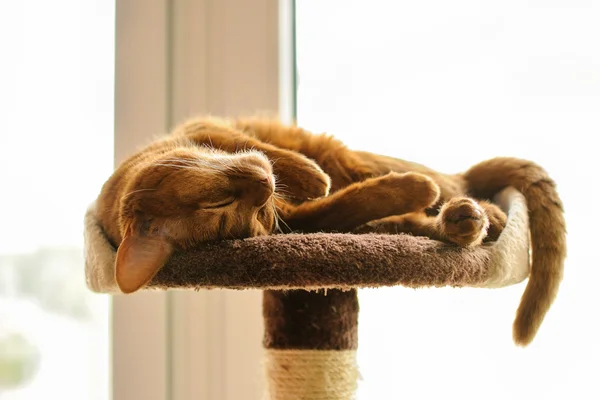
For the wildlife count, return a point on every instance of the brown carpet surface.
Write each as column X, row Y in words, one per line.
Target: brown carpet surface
column 324, row 260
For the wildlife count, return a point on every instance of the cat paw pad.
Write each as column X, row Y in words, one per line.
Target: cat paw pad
column 463, row 222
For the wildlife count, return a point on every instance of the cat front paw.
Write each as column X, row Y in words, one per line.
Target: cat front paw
column 301, row 178
column 420, row 190
column 463, row 222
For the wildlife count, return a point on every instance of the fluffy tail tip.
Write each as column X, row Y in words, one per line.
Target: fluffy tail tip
column 522, row 335
column 526, row 326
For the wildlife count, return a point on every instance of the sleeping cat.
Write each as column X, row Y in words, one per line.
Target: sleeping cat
column 217, row 179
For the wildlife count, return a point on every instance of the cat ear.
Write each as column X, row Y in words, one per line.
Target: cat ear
column 139, row 258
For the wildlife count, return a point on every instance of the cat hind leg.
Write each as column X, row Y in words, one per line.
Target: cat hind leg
column 461, row 221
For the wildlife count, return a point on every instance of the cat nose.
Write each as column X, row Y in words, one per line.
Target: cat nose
column 256, row 190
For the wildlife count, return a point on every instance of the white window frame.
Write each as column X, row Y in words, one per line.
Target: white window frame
column 176, row 59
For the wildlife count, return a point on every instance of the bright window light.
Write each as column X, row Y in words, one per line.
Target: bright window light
column 56, row 137
column 449, row 84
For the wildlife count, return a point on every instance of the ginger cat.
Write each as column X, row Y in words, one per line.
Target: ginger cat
column 216, row 179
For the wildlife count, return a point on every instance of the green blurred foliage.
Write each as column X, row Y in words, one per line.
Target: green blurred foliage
column 19, row 361
column 53, row 277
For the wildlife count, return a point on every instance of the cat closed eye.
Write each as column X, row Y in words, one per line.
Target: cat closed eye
column 222, row 204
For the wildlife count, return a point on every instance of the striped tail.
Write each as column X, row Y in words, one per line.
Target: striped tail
column 548, row 233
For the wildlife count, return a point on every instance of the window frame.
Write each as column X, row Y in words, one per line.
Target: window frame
column 175, row 60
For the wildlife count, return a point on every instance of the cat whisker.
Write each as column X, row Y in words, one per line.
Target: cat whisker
column 273, row 161
column 279, row 220
column 177, row 160
column 281, row 192
column 181, row 160
column 173, row 166
column 191, row 164
column 278, row 195
column 208, row 148
column 136, row 191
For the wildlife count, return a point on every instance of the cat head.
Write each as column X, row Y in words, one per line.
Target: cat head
column 184, row 196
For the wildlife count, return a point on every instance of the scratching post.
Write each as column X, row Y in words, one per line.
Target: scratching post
column 310, row 282
column 310, row 344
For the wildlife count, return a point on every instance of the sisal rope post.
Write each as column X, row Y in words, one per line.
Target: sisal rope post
column 310, row 344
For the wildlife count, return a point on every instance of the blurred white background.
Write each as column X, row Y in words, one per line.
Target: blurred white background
column 449, row 84
column 446, row 84
column 56, row 137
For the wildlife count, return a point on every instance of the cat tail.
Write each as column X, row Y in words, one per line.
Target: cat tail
column 548, row 233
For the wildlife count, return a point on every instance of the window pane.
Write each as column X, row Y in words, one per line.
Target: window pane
column 56, row 124
column 448, row 84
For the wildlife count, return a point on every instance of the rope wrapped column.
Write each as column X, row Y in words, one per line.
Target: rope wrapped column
column 310, row 344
